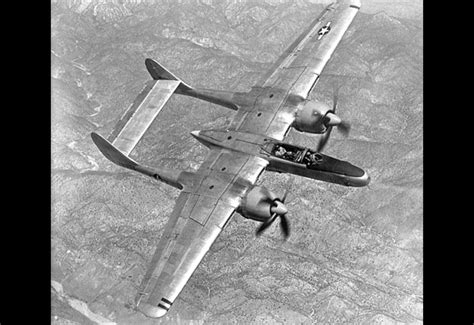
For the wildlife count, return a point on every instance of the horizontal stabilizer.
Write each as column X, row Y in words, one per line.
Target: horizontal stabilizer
column 139, row 116
column 166, row 175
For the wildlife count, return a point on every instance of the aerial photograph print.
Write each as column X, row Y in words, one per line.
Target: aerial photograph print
column 236, row 162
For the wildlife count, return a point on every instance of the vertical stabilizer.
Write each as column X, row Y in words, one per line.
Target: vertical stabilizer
column 159, row 72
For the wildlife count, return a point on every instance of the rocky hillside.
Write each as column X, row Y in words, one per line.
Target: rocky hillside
column 114, row 10
column 354, row 255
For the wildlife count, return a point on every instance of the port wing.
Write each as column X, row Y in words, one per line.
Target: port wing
column 200, row 213
column 139, row 116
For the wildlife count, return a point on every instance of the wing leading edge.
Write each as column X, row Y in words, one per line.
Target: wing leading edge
column 201, row 211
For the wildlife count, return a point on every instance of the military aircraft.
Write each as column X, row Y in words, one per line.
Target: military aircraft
column 225, row 182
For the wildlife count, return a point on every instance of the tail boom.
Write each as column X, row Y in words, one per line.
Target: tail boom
column 175, row 178
column 218, row 97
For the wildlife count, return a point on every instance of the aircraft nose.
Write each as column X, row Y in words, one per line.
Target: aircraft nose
column 195, row 134
column 365, row 179
column 361, row 181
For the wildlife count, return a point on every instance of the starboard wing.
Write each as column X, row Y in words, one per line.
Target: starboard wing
column 295, row 74
column 200, row 213
column 300, row 66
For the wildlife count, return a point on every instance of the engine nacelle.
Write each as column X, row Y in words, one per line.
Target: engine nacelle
column 258, row 203
column 309, row 118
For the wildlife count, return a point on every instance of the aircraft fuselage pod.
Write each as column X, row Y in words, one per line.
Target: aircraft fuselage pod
column 286, row 158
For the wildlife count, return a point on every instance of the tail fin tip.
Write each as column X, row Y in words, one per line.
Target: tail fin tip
column 158, row 71
column 111, row 152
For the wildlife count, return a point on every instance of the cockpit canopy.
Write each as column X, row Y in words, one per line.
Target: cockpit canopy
column 313, row 159
column 296, row 154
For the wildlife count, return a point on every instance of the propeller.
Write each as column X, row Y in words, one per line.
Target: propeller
column 330, row 120
column 277, row 209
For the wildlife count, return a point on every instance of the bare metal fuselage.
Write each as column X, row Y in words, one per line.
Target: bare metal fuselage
column 326, row 169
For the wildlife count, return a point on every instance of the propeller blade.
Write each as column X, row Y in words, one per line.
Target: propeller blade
column 268, row 196
column 285, row 227
column 278, row 209
column 324, row 140
column 331, row 119
column 266, row 224
column 344, row 127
